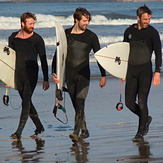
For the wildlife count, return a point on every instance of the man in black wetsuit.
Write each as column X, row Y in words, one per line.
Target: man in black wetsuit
column 143, row 39
column 80, row 42
column 28, row 45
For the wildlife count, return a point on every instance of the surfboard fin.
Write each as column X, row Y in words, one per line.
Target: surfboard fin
column 55, row 110
column 59, row 95
column 118, row 60
column 6, row 50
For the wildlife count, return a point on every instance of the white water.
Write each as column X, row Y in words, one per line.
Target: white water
column 109, row 20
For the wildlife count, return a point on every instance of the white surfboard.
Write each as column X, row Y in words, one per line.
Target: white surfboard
column 7, row 65
column 61, row 43
column 114, row 58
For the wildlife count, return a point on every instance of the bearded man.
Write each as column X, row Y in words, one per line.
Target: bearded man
column 80, row 42
column 144, row 40
column 28, row 45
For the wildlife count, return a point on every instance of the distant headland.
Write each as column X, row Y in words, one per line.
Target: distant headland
column 71, row 1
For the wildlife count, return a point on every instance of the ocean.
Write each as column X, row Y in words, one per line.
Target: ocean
column 110, row 130
column 109, row 21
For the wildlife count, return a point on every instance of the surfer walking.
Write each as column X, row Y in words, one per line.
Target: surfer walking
column 77, row 73
column 28, row 45
column 144, row 40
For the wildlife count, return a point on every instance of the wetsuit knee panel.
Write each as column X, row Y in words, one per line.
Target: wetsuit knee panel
column 79, row 104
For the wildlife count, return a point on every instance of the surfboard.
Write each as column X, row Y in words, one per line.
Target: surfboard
column 61, row 54
column 114, row 58
column 7, row 65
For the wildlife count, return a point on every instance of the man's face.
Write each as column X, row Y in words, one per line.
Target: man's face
column 28, row 26
column 82, row 24
column 144, row 20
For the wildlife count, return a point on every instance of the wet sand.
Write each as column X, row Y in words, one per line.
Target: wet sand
column 111, row 131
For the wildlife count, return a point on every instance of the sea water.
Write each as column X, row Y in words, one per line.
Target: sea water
column 109, row 21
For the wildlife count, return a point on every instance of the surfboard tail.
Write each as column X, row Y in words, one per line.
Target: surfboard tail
column 7, row 64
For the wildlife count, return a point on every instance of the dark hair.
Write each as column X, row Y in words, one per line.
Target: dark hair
column 27, row 15
column 142, row 10
column 79, row 12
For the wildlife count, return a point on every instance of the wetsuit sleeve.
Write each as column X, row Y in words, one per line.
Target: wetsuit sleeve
column 125, row 36
column 10, row 44
column 157, row 49
column 96, row 47
column 103, row 72
column 10, row 40
column 43, row 59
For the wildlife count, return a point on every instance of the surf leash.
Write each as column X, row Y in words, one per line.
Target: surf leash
column 7, row 100
column 59, row 106
column 6, row 96
column 119, row 105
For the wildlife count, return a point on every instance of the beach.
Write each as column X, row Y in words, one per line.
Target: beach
column 111, row 131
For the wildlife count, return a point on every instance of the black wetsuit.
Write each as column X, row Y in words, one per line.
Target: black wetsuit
column 78, row 72
column 26, row 74
column 139, row 76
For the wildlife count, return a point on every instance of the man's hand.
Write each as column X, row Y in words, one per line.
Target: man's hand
column 45, row 85
column 54, row 76
column 102, row 82
column 156, row 79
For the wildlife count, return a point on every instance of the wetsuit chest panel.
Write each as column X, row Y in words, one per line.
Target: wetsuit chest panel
column 78, row 52
column 26, row 59
column 139, row 53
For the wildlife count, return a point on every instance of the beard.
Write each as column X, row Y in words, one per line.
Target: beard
column 82, row 28
column 143, row 25
column 28, row 30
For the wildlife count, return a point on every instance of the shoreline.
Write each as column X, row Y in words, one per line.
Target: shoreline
column 75, row 1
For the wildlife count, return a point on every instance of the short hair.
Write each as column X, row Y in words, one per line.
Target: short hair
column 142, row 10
column 79, row 12
column 27, row 15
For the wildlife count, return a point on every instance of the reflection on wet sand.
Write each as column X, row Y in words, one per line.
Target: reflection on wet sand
column 80, row 151
column 144, row 149
column 144, row 153
column 111, row 131
column 29, row 155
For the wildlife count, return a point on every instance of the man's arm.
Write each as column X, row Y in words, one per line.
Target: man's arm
column 43, row 59
column 158, row 58
column 96, row 47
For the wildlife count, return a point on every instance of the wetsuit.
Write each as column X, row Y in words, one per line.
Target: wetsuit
column 78, row 72
column 139, row 76
column 26, row 74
